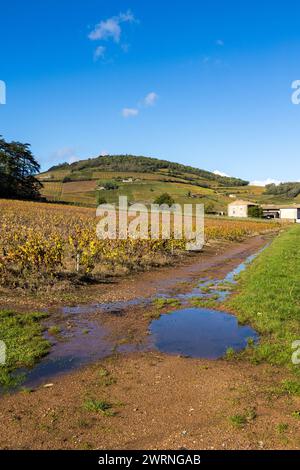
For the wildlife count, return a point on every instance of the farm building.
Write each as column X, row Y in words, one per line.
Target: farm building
column 240, row 208
column 271, row 211
column 282, row 212
column 128, row 180
column 290, row 213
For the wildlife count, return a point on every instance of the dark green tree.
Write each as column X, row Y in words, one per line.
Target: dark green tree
column 210, row 208
column 256, row 212
column 164, row 198
column 100, row 199
column 18, row 168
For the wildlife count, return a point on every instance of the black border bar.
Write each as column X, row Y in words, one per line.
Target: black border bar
column 133, row 459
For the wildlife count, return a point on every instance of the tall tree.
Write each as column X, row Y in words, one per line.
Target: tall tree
column 18, row 168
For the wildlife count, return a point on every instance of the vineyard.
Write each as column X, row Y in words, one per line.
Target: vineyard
column 45, row 242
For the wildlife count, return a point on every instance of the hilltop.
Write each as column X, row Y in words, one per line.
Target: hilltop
column 139, row 164
column 141, row 178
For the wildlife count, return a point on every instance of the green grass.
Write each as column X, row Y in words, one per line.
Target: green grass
column 54, row 330
column 281, row 428
column 240, row 420
column 210, row 303
column 99, row 406
column 105, row 378
column 152, row 315
column 292, row 387
column 296, row 414
column 230, row 353
column 161, row 302
column 22, row 334
column 268, row 299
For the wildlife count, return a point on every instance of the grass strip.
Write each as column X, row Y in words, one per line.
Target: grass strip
column 22, row 337
column 268, row 299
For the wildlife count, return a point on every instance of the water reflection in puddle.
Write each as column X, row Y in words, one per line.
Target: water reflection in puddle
column 85, row 342
column 198, row 332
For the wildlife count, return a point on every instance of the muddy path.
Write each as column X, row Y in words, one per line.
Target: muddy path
column 119, row 321
column 158, row 402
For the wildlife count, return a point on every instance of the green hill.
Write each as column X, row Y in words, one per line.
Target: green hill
column 142, row 179
column 130, row 163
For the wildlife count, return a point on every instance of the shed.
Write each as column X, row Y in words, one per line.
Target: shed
column 290, row 213
column 285, row 212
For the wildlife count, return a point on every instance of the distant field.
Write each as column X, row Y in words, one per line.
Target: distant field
column 256, row 194
column 145, row 191
column 77, row 183
column 146, row 187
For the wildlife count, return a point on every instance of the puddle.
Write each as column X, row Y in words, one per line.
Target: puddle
column 221, row 288
column 200, row 333
column 81, row 341
column 85, row 342
column 239, row 269
column 111, row 307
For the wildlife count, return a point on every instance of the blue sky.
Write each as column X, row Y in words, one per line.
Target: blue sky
column 202, row 83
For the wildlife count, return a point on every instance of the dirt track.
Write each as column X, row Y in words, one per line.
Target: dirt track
column 160, row 401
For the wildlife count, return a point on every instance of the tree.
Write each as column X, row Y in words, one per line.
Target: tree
column 100, row 199
column 286, row 190
column 210, row 208
column 66, row 179
column 17, row 169
column 108, row 185
column 164, row 198
column 256, row 212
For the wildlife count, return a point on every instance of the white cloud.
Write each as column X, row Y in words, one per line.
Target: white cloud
column 73, row 159
column 219, row 42
column 104, row 153
column 220, row 173
column 128, row 16
column 111, row 28
column 265, row 182
column 99, row 52
column 67, row 154
column 150, row 99
column 129, row 112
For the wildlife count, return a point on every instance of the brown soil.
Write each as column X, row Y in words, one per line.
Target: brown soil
column 160, row 401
